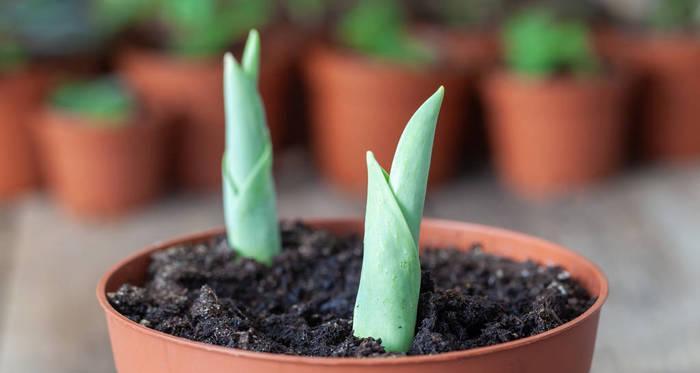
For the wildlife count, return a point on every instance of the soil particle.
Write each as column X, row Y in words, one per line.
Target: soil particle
column 302, row 304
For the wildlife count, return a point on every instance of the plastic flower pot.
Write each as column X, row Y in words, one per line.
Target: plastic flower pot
column 189, row 91
column 359, row 104
column 671, row 131
column 552, row 135
column 96, row 170
column 567, row 348
column 20, row 94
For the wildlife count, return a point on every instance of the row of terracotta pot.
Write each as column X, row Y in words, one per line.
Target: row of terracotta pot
column 546, row 135
column 101, row 171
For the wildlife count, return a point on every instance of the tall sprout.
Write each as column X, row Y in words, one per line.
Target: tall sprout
column 248, row 186
column 387, row 298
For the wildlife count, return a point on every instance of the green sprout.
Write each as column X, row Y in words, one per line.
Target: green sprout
column 378, row 28
column 387, row 299
column 676, row 15
column 106, row 101
column 248, row 187
column 202, row 28
column 537, row 43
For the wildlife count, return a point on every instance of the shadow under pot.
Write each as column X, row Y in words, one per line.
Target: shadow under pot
column 102, row 170
column 20, row 94
column 358, row 104
column 190, row 92
column 671, row 68
column 566, row 348
column 550, row 136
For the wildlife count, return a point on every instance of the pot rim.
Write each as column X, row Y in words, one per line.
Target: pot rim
column 374, row 361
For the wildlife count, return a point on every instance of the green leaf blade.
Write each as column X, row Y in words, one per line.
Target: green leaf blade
column 387, row 298
column 411, row 164
column 250, row 207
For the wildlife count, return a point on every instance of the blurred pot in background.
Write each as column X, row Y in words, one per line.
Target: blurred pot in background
column 669, row 57
column 364, row 88
column 180, row 77
column 557, row 119
column 465, row 30
column 102, row 156
column 21, row 90
column 67, row 37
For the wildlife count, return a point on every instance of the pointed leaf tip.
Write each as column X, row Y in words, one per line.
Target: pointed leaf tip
column 439, row 95
column 251, row 55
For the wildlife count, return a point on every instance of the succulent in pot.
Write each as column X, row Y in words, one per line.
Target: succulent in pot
column 365, row 83
column 102, row 155
column 21, row 88
column 668, row 55
column 556, row 116
column 312, row 296
column 178, row 76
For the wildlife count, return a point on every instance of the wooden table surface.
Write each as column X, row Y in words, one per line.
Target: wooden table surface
column 643, row 228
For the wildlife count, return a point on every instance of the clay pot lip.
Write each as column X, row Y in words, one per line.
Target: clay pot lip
column 161, row 56
column 502, row 76
column 58, row 118
column 326, row 361
column 338, row 54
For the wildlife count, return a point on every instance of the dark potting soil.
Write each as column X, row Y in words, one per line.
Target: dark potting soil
column 303, row 303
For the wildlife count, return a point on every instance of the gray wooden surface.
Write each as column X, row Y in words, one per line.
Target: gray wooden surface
column 642, row 228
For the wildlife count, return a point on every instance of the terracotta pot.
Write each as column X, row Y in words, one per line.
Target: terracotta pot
column 191, row 93
column 568, row 348
column 96, row 171
column 358, row 104
column 671, row 66
column 552, row 135
column 20, row 94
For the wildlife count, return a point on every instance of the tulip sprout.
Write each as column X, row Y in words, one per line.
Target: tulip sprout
column 387, row 298
column 248, row 187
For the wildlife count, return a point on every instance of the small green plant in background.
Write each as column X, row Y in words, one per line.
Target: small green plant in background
column 387, row 298
column 378, row 28
column 250, row 207
column 12, row 56
column 106, row 101
column 675, row 15
column 537, row 43
column 203, row 28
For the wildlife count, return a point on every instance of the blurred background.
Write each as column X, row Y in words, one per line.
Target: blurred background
column 574, row 120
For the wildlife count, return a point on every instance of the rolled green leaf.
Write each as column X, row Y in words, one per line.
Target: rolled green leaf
column 387, row 298
column 248, row 187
